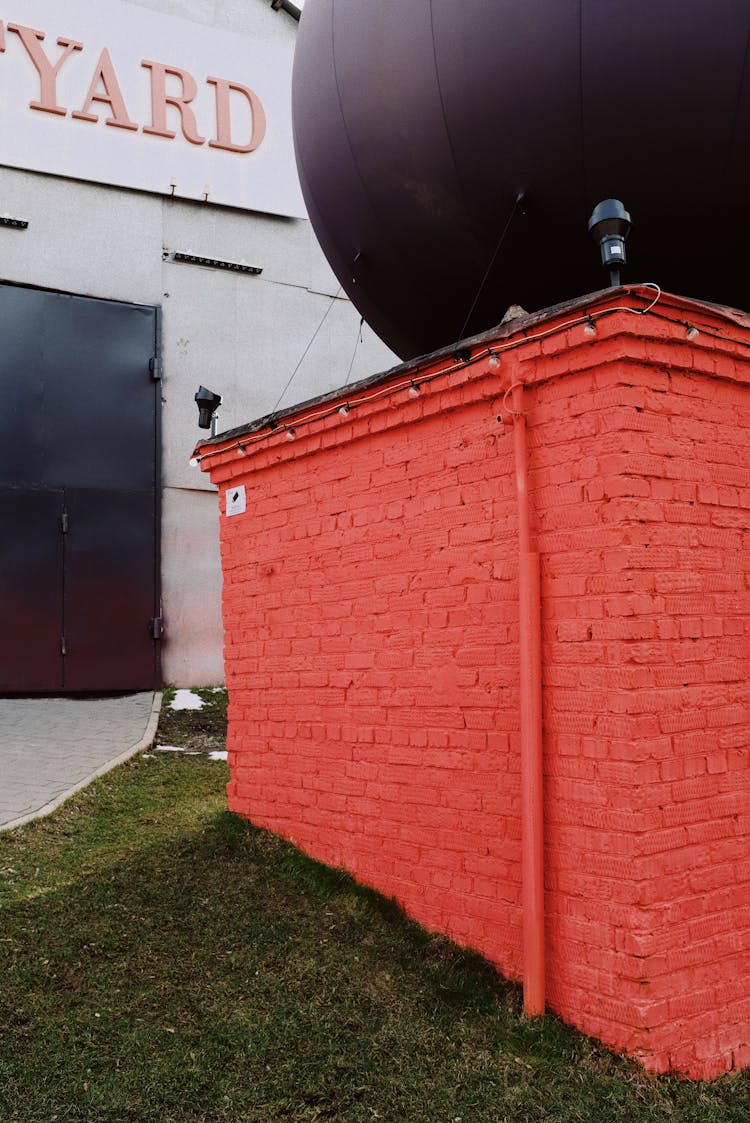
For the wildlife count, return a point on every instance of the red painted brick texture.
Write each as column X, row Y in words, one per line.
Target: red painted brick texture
column 371, row 615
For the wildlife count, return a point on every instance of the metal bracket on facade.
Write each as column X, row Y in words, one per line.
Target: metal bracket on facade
column 210, row 262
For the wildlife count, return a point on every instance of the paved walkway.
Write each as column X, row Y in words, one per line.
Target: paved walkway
column 52, row 747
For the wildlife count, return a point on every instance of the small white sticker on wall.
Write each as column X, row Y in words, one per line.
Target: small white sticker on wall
column 234, row 500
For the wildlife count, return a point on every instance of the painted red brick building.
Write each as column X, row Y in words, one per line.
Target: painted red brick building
column 375, row 628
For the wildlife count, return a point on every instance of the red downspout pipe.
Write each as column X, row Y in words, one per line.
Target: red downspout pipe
column 530, row 657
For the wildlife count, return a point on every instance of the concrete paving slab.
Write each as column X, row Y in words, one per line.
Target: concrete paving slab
column 53, row 747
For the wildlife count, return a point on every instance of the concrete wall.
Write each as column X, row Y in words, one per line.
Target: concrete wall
column 240, row 335
column 371, row 602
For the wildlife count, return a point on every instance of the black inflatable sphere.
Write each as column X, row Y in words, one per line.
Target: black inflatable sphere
column 418, row 123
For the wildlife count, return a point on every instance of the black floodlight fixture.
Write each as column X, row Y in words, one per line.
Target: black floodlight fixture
column 208, row 403
column 609, row 226
column 294, row 10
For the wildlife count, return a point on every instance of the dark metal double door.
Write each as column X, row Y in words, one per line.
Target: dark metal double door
column 79, row 547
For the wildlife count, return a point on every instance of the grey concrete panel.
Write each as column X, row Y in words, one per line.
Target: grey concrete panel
column 64, row 247
column 192, row 648
column 253, row 17
column 322, row 277
column 245, row 341
column 281, row 247
column 320, row 343
column 199, row 347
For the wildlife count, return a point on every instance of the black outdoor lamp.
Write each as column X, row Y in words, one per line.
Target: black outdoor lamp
column 609, row 225
column 208, row 403
column 294, row 10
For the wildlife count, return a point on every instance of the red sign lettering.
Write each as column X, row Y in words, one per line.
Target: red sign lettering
column 110, row 95
column 173, row 91
column 31, row 40
column 160, row 99
column 224, row 117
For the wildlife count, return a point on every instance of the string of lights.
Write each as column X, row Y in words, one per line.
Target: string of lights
column 692, row 332
column 413, row 386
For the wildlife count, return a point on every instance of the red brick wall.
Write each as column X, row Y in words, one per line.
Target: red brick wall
column 370, row 603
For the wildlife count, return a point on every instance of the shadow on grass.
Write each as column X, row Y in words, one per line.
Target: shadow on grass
column 215, row 973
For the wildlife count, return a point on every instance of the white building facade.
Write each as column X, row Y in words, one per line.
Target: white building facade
column 146, row 159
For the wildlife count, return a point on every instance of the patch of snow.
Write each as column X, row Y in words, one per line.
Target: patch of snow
column 176, row 749
column 186, row 700
column 218, row 755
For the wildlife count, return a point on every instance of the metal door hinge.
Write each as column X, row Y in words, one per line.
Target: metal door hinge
column 154, row 366
column 65, row 522
column 63, row 650
column 157, row 627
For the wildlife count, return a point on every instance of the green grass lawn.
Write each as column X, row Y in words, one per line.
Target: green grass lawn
column 164, row 960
